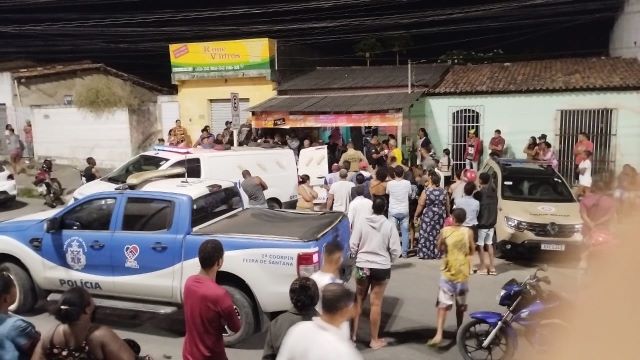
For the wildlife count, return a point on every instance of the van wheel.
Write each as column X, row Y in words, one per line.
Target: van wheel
column 274, row 204
column 26, row 299
column 246, row 310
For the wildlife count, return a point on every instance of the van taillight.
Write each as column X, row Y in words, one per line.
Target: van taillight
column 308, row 263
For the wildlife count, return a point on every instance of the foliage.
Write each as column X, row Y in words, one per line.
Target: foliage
column 104, row 94
column 470, row 57
column 368, row 47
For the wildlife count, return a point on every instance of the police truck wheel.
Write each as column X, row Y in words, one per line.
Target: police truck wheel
column 247, row 312
column 24, row 286
column 274, row 204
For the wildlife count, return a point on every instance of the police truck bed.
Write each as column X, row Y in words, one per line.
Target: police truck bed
column 290, row 225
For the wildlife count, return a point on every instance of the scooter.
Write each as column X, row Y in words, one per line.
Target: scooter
column 491, row 335
column 47, row 186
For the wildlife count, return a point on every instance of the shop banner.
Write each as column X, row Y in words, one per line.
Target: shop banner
column 222, row 56
column 285, row 120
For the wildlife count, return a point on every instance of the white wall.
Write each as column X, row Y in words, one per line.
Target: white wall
column 70, row 135
column 520, row 116
column 625, row 36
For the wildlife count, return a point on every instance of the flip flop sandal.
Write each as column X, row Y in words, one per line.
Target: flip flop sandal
column 432, row 343
column 493, row 272
column 473, row 270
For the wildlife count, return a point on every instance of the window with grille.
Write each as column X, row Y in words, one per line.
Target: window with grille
column 601, row 126
column 461, row 119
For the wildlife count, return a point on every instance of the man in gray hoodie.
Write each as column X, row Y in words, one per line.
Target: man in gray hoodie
column 376, row 244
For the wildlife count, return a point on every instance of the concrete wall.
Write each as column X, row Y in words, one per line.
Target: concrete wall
column 520, row 116
column 625, row 36
column 51, row 90
column 145, row 127
column 70, row 135
column 194, row 97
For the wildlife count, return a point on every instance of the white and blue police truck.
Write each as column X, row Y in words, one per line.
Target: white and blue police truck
column 134, row 249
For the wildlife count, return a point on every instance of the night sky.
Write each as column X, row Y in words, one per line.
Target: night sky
column 133, row 35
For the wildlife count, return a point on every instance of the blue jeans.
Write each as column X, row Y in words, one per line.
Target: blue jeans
column 402, row 222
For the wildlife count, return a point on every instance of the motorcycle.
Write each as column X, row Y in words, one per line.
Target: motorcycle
column 47, row 186
column 491, row 335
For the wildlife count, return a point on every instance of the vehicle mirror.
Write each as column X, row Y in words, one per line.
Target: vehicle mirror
column 52, row 225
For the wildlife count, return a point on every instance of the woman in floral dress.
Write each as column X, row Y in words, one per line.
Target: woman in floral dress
column 431, row 207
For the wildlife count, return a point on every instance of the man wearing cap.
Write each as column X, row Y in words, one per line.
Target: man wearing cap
column 340, row 193
column 473, row 150
column 353, row 156
column 375, row 154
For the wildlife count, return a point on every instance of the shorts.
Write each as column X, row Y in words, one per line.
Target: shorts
column 373, row 275
column 485, row 237
column 15, row 155
column 452, row 292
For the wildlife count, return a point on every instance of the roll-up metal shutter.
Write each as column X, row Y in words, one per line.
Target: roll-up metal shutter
column 221, row 112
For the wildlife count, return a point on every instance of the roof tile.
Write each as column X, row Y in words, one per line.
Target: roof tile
column 542, row 75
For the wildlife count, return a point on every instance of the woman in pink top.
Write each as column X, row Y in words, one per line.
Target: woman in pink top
column 547, row 154
column 28, row 140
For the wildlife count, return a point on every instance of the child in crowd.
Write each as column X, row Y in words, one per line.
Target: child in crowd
column 456, row 243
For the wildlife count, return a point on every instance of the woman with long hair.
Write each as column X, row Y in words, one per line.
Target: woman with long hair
column 77, row 337
column 531, row 148
column 378, row 185
column 431, row 211
column 306, row 194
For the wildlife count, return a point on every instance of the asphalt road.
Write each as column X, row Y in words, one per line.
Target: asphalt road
column 408, row 310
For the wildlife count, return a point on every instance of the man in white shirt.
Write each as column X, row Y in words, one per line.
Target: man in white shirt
column 332, row 259
column 322, row 338
column 584, row 170
column 360, row 207
column 399, row 190
column 340, row 193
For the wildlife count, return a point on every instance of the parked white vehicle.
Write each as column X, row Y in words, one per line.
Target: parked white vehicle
column 277, row 167
column 8, row 188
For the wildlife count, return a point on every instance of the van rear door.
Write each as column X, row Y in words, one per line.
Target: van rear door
column 313, row 162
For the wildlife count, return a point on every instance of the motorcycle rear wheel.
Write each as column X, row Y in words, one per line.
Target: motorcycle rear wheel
column 471, row 336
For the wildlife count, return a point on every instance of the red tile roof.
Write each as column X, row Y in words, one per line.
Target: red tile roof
column 543, row 75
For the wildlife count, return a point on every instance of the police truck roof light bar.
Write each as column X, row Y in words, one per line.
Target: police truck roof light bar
column 308, row 263
column 172, row 149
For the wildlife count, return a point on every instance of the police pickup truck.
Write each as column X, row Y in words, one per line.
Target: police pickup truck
column 134, row 249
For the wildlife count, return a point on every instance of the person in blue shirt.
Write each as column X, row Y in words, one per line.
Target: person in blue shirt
column 18, row 337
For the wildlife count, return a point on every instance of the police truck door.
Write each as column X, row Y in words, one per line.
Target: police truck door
column 78, row 253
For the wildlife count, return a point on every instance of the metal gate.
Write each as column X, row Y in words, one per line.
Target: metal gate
column 221, row 113
column 461, row 119
column 600, row 124
column 3, row 124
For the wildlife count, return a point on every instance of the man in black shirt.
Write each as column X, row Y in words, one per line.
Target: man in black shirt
column 375, row 154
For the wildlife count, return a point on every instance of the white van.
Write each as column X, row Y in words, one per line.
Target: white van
column 277, row 167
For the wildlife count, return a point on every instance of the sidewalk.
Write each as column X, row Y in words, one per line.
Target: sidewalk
column 68, row 176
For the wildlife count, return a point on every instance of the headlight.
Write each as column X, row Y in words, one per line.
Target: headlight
column 514, row 224
column 577, row 228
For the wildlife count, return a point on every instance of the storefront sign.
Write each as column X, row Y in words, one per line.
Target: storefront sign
column 274, row 120
column 227, row 57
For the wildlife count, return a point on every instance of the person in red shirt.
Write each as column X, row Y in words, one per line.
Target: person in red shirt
column 473, row 150
column 583, row 144
column 496, row 145
column 208, row 308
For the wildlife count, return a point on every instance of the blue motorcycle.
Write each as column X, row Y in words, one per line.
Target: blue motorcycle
column 491, row 335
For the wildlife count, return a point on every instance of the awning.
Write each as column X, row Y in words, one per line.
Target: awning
column 338, row 103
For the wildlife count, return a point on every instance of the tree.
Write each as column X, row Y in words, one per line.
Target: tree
column 470, row 57
column 397, row 44
column 368, row 47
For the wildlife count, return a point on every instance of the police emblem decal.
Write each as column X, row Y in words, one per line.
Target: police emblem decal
column 75, row 253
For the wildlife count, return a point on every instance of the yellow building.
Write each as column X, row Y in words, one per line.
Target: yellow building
column 207, row 74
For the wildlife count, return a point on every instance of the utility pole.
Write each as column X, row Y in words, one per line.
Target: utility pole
column 409, row 76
